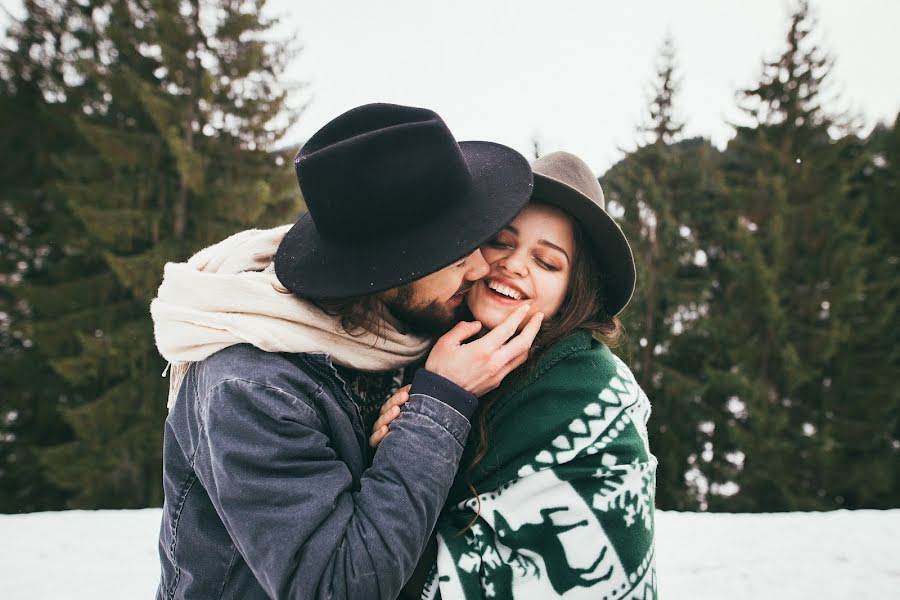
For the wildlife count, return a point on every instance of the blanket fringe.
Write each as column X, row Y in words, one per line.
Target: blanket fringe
column 176, row 372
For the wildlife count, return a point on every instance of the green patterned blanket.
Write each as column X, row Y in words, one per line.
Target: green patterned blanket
column 566, row 489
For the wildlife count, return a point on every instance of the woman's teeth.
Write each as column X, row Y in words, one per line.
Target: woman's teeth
column 505, row 290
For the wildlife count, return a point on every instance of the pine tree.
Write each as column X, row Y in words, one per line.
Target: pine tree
column 662, row 246
column 864, row 428
column 882, row 220
column 663, row 127
column 179, row 107
column 664, row 189
column 38, row 245
column 793, row 274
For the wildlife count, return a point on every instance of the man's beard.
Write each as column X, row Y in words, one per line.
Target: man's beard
column 433, row 319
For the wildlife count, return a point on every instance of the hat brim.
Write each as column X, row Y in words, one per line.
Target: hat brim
column 311, row 265
column 611, row 248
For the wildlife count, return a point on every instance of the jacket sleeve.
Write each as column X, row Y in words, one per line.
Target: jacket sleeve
column 288, row 500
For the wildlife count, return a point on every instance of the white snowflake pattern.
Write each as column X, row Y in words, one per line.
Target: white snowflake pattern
column 629, row 515
column 491, row 558
column 469, row 562
column 628, row 488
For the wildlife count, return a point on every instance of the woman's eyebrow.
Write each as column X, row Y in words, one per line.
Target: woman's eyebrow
column 554, row 246
column 549, row 244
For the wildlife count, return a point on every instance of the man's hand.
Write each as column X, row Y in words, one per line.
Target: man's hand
column 481, row 365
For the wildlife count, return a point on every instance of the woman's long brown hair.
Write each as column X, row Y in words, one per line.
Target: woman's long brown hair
column 582, row 308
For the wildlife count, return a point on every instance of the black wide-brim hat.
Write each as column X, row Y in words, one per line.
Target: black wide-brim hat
column 393, row 197
column 565, row 181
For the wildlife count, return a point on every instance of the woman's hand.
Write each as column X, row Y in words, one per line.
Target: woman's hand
column 389, row 411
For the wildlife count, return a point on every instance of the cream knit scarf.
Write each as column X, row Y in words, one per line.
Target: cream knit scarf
column 228, row 294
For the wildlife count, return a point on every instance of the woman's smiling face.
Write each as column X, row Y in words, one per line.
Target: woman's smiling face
column 530, row 261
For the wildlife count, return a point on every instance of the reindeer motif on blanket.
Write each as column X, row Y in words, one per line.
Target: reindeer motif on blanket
column 543, row 539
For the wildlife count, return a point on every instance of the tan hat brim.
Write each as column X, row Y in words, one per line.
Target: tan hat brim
column 611, row 248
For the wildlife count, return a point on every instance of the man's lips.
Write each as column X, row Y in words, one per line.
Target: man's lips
column 459, row 296
column 461, row 293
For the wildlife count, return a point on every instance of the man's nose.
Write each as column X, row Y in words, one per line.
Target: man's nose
column 478, row 267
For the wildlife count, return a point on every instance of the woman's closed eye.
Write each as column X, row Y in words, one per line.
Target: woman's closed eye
column 545, row 265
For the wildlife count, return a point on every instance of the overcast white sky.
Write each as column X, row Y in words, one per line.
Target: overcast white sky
column 574, row 73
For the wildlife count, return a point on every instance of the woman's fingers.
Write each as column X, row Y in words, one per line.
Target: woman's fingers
column 386, row 417
column 377, row 436
column 389, row 411
column 399, row 397
column 380, row 429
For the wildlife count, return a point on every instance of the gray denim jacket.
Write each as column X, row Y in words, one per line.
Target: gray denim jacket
column 267, row 490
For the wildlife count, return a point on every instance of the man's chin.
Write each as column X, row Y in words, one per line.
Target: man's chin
column 432, row 320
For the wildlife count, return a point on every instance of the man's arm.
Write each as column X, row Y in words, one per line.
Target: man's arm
column 286, row 497
column 287, row 501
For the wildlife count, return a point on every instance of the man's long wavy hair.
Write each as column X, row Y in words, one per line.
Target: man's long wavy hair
column 582, row 308
column 358, row 314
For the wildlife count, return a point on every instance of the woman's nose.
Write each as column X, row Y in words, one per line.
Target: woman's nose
column 515, row 264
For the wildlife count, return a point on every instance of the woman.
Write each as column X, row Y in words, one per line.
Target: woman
column 554, row 497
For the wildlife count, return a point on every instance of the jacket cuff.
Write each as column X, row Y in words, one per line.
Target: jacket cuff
column 440, row 388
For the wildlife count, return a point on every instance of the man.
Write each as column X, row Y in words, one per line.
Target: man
column 270, row 489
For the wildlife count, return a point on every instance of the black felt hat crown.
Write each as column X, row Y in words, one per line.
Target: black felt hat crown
column 392, row 197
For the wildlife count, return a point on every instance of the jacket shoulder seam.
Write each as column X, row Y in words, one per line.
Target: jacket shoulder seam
column 294, row 399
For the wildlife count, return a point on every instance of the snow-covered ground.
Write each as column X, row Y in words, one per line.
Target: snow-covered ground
column 78, row 555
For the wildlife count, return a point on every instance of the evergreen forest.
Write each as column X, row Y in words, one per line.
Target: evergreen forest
column 764, row 327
